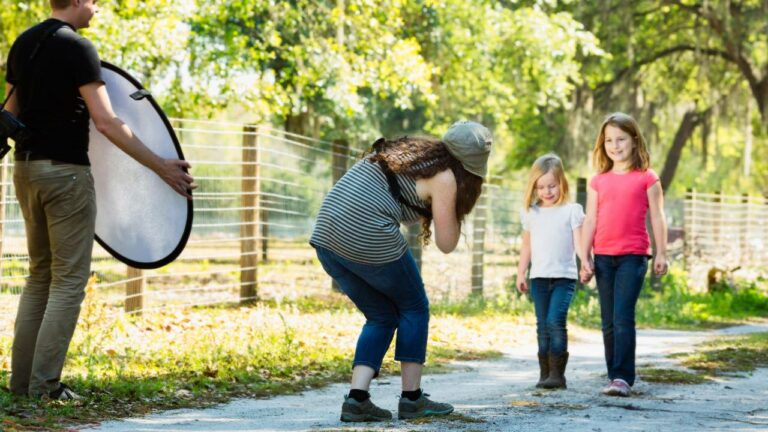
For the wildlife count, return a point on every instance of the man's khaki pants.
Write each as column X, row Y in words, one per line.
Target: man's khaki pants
column 59, row 206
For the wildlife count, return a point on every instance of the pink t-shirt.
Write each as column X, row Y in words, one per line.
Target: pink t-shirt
column 622, row 205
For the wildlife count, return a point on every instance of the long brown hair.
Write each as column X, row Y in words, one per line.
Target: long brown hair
column 641, row 160
column 422, row 158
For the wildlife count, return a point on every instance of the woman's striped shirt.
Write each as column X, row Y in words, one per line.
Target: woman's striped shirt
column 360, row 220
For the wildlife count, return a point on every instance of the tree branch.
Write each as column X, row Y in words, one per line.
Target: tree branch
column 733, row 48
column 664, row 53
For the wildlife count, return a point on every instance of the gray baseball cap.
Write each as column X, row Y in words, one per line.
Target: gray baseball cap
column 470, row 143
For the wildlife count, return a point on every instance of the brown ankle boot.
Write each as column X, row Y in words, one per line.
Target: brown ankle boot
column 556, row 379
column 543, row 369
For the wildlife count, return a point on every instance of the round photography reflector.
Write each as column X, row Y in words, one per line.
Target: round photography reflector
column 140, row 220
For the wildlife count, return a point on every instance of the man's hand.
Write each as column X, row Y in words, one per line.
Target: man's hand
column 174, row 173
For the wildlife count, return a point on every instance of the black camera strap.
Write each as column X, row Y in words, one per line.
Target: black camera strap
column 54, row 28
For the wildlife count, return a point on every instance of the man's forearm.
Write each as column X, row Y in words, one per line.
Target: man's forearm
column 122, row 136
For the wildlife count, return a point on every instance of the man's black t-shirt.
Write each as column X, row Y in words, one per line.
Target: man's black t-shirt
column 47, row 90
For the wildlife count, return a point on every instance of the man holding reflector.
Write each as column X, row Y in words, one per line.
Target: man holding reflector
column 55, row 88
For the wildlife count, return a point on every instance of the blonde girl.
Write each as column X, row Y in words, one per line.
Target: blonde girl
column 551, row 238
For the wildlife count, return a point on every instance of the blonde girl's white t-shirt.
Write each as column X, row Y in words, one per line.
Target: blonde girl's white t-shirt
column 551, row 229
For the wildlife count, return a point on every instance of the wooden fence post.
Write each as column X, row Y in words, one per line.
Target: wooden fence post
column 719, row 221
column 134, row 291
column 478, row 242
column 339, row 159
column 689, row 227
column 746, row 224
column 250, row 186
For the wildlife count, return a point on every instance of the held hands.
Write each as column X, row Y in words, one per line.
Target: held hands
column 174, row 173
column 660, row 265
column 522, row 285
column 587, row 270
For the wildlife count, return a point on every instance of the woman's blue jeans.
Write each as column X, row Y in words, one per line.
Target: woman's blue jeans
column 392, row 297
column 551, row 298
column 619, row 281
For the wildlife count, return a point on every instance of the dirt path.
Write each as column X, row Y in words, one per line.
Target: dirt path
column 499, row 396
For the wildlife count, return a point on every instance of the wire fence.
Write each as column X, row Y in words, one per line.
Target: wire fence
column 259, row 190
column 724, row 233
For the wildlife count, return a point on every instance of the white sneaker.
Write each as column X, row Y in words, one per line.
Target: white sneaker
column 618, row 387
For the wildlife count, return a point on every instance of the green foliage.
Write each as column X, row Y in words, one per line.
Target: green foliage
column 15, row 17
column 502, row 69
column 306, row 55
column 678, row 306
column 151, row 40
column 540, row 73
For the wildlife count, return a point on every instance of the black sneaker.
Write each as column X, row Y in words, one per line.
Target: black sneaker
column 64, row 392
column 366, row 411
column 421, row 407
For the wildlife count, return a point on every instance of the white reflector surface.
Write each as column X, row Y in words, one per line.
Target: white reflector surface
column 140, row 219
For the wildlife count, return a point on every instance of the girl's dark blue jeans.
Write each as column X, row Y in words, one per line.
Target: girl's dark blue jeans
column 551, row 298
column 619, row 281
column 392, row 297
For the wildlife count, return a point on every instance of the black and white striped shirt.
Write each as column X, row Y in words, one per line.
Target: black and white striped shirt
column 360, row 220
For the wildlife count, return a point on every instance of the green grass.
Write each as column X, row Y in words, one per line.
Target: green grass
column 129, row 365
column 730, row 355
column 676, row 306
column 723, row 357
column 671, row 376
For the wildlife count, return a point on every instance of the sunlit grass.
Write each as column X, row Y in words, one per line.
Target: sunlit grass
column 677, row 306
column 729, row 355
column 127, row 365
column 670, row 376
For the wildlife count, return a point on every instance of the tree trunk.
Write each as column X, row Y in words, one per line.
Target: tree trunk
column 297, row 123
column 691, row 120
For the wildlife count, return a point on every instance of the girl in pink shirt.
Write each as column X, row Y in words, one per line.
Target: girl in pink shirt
column 618, row 200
